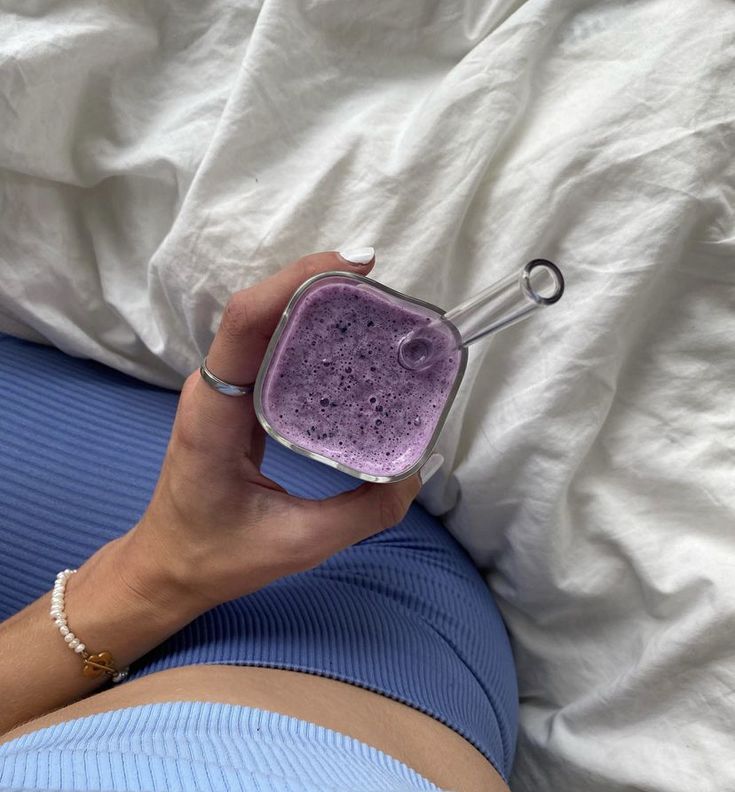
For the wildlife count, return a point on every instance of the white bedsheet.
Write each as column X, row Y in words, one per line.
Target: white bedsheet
column 154, row 157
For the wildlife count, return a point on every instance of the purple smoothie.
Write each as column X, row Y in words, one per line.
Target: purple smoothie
column 334, row 385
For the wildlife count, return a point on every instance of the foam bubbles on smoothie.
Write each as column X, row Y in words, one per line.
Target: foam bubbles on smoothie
column 335, row 385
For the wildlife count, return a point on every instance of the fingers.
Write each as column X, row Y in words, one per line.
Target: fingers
column 251, row 315
column 341, row 521
column 247, row 324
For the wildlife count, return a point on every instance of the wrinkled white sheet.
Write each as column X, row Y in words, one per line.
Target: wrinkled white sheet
column 157, row 156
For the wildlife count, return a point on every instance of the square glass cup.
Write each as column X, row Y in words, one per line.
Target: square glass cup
column 331, row 385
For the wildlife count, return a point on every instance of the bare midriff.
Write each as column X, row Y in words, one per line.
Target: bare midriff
column 421, row 742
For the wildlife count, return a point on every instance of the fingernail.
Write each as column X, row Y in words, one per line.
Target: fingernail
column 357, row 256
column 432, row 464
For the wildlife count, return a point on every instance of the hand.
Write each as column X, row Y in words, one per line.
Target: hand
column 218, row 525
column 215, row 529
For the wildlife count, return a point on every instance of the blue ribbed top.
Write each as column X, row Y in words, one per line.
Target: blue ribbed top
column 404, row 613
column 203, row 746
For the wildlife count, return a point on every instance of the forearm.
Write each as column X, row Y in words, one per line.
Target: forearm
column 122, row 600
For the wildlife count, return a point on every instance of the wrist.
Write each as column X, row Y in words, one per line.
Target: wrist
column 157, row 580
column 121, row 601
column 124, row 602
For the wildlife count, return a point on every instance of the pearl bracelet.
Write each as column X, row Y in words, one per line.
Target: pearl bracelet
column 94, row 664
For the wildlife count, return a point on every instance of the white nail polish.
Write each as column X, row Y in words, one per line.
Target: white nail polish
column 431, row 466
column 358, row 256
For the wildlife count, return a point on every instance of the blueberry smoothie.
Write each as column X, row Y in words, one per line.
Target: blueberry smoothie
column 334, row 385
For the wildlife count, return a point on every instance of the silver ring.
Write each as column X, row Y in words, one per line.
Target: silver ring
column 226, row 388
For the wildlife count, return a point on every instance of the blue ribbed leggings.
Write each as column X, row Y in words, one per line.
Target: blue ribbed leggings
column 404, row 613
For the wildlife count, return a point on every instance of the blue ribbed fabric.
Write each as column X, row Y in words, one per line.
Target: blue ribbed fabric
column 203, row 746
column 404, row 613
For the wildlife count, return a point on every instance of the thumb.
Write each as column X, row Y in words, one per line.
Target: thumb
column 344, row 520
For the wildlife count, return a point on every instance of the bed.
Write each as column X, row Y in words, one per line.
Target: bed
column 155, row 157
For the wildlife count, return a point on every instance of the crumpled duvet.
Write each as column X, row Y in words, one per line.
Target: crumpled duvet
column 155, row 157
